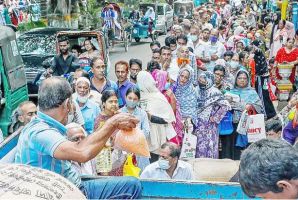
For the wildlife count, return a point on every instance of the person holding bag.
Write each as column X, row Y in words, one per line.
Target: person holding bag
column 247, row 96
column 160, row 113
column 212, row 107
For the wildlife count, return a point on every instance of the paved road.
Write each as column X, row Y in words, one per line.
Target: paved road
column 140, row 50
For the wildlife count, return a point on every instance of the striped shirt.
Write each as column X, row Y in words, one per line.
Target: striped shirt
column 37, row 144
column 108, row 18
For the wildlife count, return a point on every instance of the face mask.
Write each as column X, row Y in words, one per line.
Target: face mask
column 131, row 104
column 83, row 99
column 167, row 86
column 213, row 39
column 163, row 164
column 194, row 38
column 234, row 64
column 202, row 86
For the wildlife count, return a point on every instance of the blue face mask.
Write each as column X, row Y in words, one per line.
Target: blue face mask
column 131, row 104
column 167, row 86
column 163, row 164
column 213, row 39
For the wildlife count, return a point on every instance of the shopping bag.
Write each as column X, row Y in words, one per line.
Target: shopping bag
column 129, row 169
column 256, row 128
column 225, row 126
column 243, row 123
column 133, row 141
column 189, row 144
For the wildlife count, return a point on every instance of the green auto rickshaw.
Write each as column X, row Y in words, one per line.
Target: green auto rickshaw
column 13, row 90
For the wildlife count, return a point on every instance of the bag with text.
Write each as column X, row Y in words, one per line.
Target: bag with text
column 256, row 128
column 243, row 123
column 189, row 144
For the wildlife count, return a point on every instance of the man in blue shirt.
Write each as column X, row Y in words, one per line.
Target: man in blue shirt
column 121, row 71
column 90, row 110
column 43, row 143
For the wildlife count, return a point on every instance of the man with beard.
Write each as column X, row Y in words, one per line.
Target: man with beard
column 99, row 81
column 135, row 66
column 65, row 62
column 90, row 110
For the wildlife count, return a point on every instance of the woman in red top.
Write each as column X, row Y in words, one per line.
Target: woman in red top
column 287, row 54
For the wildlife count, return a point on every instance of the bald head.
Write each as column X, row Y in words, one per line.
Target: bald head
column 53, row 92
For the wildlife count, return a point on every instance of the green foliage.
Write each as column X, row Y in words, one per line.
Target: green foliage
column 30, row 25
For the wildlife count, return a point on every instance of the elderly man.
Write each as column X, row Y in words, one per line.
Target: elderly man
column 42, row 143
column 76, row 133
column 273, row 174
column 25, row 112
column 90, row 110
column 169, row 166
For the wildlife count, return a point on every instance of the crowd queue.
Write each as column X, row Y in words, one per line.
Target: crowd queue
column 188, row 87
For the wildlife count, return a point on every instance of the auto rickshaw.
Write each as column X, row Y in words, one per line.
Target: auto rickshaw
column 97, row 39
column 13, row 90
column 183, row 9
column 145, row 27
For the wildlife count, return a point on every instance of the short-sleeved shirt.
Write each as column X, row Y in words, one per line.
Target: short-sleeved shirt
column 183, row 171
column 122, row 89
column 110, row 85
column 90, row 111
column 37, row 143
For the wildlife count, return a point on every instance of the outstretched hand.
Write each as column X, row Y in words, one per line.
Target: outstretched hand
column 124, row 121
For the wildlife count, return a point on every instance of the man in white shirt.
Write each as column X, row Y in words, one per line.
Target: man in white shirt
column 169, row 166
column 214, row 50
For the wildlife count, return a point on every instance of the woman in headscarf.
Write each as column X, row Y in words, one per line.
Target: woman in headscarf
column 186, row 94
column 262, row 79
column 279, row 38
column 248, row 97
column 212, row 107
column 164, row 86
column 160, row 113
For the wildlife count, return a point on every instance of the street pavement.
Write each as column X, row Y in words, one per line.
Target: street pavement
column 140, row 50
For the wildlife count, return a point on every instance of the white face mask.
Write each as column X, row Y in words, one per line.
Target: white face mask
column 194, row 38
column 82, row 99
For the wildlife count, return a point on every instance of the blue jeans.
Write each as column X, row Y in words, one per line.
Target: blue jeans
column 113, row 188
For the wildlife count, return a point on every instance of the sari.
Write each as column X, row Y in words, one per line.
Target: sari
column 161, row 78
column 212, row 107
column 186, row 96
column 154, row 102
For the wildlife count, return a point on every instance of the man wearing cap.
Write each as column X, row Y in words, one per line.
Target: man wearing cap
column 90, row 110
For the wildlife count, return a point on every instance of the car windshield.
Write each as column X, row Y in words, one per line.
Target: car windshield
column 160, row 10
column 37, row 44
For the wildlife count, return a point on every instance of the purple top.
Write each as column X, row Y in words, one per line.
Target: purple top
column 122, row 89
column 290, row 134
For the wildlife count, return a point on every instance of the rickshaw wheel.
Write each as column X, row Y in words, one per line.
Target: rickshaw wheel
column 137, row 39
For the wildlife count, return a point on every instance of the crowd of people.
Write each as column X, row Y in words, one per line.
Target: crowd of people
column 14, row 12
column 211, row 69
